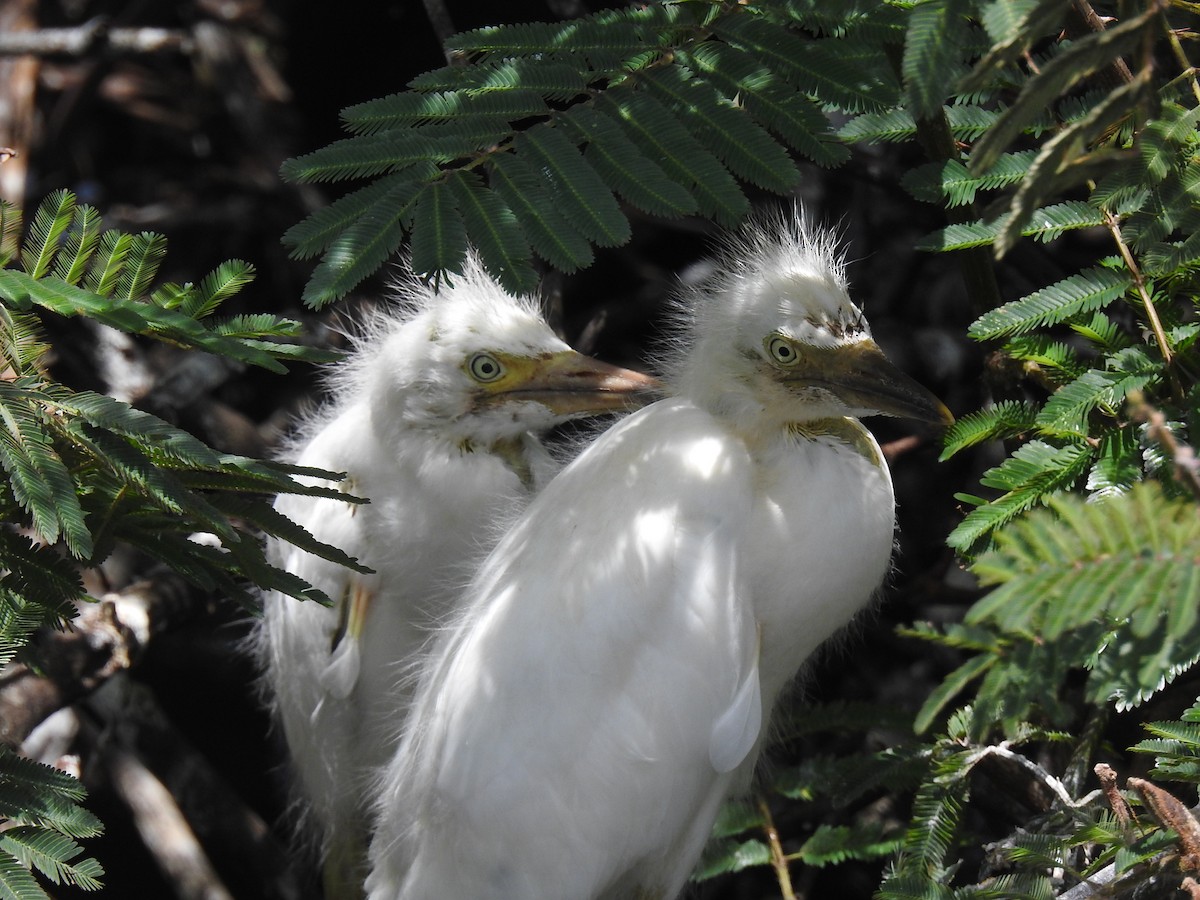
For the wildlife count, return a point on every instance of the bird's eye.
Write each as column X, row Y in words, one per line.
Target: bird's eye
column 484, row 367
column 781, row 350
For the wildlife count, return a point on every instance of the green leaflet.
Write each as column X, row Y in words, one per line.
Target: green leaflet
column 575, row 186
column 1089, row 290
column 1045, row 224
column 618, row 159
column 439, row 237
column 51, row 219
column 1007, row 419
column 685, row 160
column 933, row 53
column 493, row 228
column 552, row 236
column 743, row 146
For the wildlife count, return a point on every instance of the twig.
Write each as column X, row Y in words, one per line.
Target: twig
column 93, row 37
column 1183, row 457
column 1164, row 346
column 443, row 25
column 778, row 859
column 1108, row 783
column 1085, row 20
column 240, row 844
column 164, row 830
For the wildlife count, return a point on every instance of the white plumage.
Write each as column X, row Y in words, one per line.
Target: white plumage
column 435, row 419
column 621, row 647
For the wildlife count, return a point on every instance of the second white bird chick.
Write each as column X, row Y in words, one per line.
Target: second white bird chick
column 623, row 644
column 436, row 419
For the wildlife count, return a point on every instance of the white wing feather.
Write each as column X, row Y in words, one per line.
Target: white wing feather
column 606, row 654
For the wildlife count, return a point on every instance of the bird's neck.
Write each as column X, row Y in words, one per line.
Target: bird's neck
column 512, row 451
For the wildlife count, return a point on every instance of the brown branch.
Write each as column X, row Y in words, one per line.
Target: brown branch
column 93, row 37
column 1084, row 20
column 1173, row 814
column 61, row 667
column 247, row 856
column 163, row 829
column 1183, row 457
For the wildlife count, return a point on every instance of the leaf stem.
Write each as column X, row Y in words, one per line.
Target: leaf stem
column 1139, row 282
column 778, row 859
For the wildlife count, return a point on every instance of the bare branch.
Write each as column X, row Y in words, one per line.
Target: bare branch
column 93, row 37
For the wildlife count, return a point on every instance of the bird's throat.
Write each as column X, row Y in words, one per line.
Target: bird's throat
column 839, row 429
column 510, row 451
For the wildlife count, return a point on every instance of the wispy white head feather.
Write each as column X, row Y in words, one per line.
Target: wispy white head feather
column 411, row 364
column 780, row 274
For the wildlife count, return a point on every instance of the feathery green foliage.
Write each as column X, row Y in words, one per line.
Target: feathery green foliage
column 85, row 472
column 41, row 807
column 667, row 106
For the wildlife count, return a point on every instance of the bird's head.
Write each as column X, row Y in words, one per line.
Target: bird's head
column 774, row 334
column 478, row 365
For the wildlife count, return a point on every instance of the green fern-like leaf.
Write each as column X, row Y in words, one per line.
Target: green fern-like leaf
column 1044, row 224
column 439, row 237
column 1086, row 291
column 1067, row 68
column 769, row 98
column 52, row 854
column 218, row 286
column 1067, row 409
column 40, row 481
column 146, row 252
column 362, row 245
column 548, row 78
column 414, row 109
column 967, row 123
column 1028, row 477
column 493, row 228
column 1118, row 464
column 575, row 186
column 107, row 263
column 1007, row 419
column 951, row 183
column 552, row 236
column 933, row 53
column 937, row 809
column 637, row 178
column 80, row 242
column 11, row 223
column 833, row 844
column 813, row 67
column 743, row 146
column 724, row 857
column 1056, row 167
column 52, row 218
column 1124, row 561
column 685, row 160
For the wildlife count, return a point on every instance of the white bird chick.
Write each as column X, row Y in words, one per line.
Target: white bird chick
column 435, row 419
column 606, row 687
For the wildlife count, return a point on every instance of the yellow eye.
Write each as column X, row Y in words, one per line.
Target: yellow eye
column 781, row 350
column 485, row 368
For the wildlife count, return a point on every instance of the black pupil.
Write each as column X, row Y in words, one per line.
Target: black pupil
column 487, row 368
column 785, row 352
